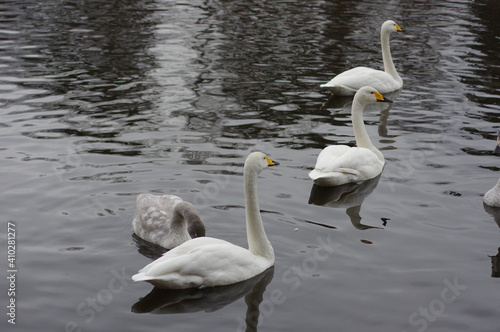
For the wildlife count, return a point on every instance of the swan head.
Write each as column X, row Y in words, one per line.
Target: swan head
column 195, row 226
column 259, row 161
column 390, row 26
column 369, row 95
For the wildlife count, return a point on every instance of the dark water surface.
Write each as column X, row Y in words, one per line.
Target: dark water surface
column 103, row 100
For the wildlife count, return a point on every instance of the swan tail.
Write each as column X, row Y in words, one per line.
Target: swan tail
column 339, row 90
column 335, row 178
column 141, row 277
column 171, row 281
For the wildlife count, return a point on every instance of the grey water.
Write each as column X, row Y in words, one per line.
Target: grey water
column 103, row 100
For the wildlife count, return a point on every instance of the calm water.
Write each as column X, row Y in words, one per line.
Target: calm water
column 101, row 101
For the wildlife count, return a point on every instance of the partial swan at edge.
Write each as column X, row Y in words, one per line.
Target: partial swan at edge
column 492, row 196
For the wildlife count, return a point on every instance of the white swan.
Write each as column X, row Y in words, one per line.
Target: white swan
column 496, row 151
column 206, row 261
column 166, row 220
column 492, row 196
column 348, row 82
column 340, row 164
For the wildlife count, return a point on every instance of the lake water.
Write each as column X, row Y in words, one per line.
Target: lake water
column 101, row 101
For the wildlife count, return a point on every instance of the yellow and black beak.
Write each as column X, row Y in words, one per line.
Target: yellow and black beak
column 381, row 98
column 271, row 162
column 398, row 28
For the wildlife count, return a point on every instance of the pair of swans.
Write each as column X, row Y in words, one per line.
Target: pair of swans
column 341, row 164
column 207, row 262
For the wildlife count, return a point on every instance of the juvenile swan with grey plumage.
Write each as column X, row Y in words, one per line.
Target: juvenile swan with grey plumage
column 208, row 262
column 166, row 220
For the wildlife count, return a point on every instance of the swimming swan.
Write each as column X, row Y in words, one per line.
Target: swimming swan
column 206, row 261
column 492, row 196
column 166, row 220
column 348, row 82
column 340, row 164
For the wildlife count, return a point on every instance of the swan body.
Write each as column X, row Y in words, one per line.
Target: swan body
column 166, row 220
column 208, row 262
column 492, row 196
column 340, row 164
column 350, row 81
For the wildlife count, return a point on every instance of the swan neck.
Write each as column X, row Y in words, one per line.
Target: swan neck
column 387, row 57
column 258, row 244
column 178, row 224
column 360, row 133
column 187, row 220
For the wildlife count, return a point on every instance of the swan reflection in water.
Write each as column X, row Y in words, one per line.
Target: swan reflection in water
column 349, row 196
column 209, row 299
column 495, row 260
column 345, row 103
column 172, row 301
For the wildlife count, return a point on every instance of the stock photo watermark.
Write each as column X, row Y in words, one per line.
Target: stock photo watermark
column 88, row 309
column 292, row 278
column 11, row 272
column 421, row 318
column 212, row 189
column 417, row 158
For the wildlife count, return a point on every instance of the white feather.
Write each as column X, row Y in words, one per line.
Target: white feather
column 492, row 196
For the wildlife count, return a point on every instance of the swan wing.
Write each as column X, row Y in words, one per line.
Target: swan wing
column 492, row 197
column 339, row 164
column 330, row 154
column 202, row 262
column 152, row 218
column 350, row 81
column 153, row 210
